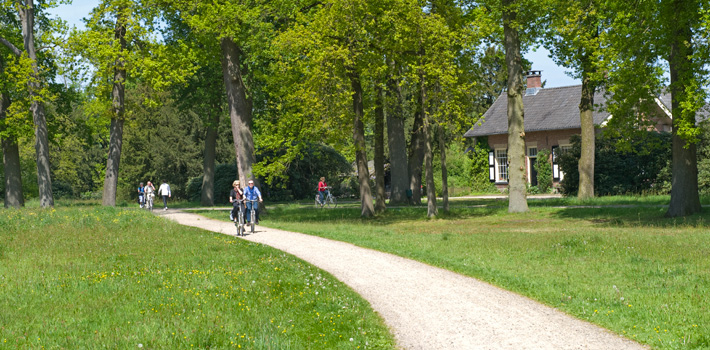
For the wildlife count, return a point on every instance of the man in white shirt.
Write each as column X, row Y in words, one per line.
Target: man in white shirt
column 164, row 191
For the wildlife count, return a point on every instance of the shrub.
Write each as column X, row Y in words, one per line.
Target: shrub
column 544, row 171
column 224, row 176
column 478, row 167
column 633, row 169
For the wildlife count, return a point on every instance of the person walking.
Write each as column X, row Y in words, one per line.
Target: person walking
column 164, row 191
column 252, row 194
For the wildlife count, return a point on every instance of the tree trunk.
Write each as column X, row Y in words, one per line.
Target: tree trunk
column 363, row 174
column 444, row 172
column 517, row 187
column 428, row 157
column 417, row 150
column 11, row 160
column 44, row 177
column 399, row 173
column 586, row 160
column 380, row 205
column 116, row 132
column 240, row 110
column 685, row 199
column 207, row 196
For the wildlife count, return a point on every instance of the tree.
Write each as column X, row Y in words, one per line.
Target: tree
column 688, row 60
column 37, row 95
column 516, row 132
column 575, row 41
column 120, row 47
column 642, row 37
column 11, row 153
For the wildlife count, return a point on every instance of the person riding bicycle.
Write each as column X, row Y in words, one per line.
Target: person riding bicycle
column 252, row 193
column 322, row 190
column 149, row 191
column 141, row 195
column 235, row 197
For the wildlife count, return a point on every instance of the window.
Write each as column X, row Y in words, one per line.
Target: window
column 502, row 165
column 532, row 152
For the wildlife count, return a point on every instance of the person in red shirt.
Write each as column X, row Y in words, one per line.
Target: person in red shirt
column 322, row 187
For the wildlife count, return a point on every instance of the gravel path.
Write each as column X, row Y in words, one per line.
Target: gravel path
column 428, row 307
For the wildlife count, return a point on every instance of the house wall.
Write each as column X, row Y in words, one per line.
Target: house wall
column 540, row 139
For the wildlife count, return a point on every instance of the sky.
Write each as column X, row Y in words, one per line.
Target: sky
column 552, row 75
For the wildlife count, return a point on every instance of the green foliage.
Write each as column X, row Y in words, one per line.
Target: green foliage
column 478, row 175
column 224, row 176
column 544, row 171
column 618, row 170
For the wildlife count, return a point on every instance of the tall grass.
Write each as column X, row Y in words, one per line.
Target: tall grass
column 618, row 263
column 90, row 277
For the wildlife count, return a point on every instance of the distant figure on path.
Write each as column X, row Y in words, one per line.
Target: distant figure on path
column 164, row 191
column 141, row 195
column 322, row 188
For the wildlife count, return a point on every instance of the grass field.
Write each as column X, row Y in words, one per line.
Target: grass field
column 86, row 277
column 621, row 265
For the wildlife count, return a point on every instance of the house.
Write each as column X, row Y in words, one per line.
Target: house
column 551, row 117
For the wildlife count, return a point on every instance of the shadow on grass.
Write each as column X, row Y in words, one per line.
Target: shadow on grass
column 642, row 216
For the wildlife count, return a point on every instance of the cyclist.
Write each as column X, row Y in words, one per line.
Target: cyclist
column 322, row 190
column 252, row 193
column 235, row 196
column 149, row 191
column 141, row 195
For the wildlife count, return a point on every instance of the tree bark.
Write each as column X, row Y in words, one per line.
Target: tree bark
column 11, row 159
column 207, row 196
column 363, row 174
column 399, row 172
column 517, row 187
column 586, row 160
column 417, row 150
column 240, row 110
column 44, row 177
column 685, row 199
column 116, row 132
column 428, row 158
column 380, row 195
column 444, row 171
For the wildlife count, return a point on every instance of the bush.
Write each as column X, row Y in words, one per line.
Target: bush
column 544, row 171
column 302, row 174
column 224, row 176
column 632, row 169
column 478, row 176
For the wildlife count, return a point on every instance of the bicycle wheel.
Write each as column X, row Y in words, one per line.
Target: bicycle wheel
column 329, row 202
column 317, row 204
column 333, row 202
column 253, row 218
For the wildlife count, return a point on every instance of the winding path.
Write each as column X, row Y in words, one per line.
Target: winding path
column 428, row 307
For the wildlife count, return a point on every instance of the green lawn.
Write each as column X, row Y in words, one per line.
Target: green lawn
column 627, row 269
column 85, row 277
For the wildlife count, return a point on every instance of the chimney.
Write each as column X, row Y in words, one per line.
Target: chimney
column 534, row 82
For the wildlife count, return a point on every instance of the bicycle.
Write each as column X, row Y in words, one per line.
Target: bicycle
column 149, row 201
column 252, row 213
column 239, row 220
column 329, row 201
